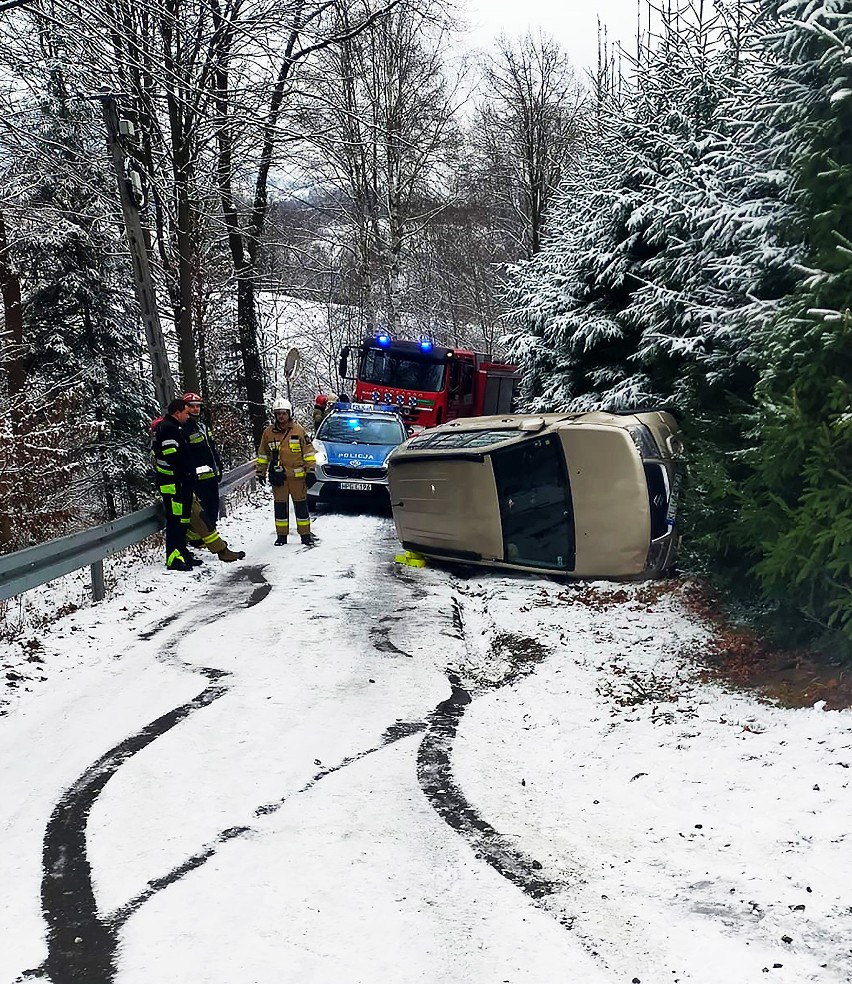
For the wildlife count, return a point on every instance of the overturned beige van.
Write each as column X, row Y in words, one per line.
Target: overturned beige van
column 583, row 495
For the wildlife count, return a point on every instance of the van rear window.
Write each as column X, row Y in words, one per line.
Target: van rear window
column 536, row 509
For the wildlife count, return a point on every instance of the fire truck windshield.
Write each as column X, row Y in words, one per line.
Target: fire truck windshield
column 386, row 368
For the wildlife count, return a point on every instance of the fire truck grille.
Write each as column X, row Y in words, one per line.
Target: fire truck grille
column 341, row 471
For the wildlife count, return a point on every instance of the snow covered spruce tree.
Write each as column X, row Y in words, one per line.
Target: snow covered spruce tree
column 797, row 513
column 626, row 304
column 705, row 256
column 78, row 413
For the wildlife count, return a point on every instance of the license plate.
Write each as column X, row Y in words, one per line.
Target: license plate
column 356, row 486
column 672, row 510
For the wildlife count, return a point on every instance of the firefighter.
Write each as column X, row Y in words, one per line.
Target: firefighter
column 206, row 460
column 195, row 528
column 175, row 479
column 287, row 454
column 321, row 409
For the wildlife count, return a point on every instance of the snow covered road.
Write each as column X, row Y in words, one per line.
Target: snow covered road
column 319, row 766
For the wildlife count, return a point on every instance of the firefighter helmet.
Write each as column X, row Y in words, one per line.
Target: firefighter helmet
column 281, row 405
column 321, row 400
column 192, row 398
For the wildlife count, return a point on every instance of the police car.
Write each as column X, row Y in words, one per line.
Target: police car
column 353, row 444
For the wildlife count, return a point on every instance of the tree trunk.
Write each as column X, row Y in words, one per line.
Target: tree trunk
column 13, row 317
column 244, row 238
column 252, row 365
column 186, row 267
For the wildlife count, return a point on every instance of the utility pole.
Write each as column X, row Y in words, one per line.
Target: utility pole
column 132, row 196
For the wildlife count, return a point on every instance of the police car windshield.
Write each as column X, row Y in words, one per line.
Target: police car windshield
column 354, row 429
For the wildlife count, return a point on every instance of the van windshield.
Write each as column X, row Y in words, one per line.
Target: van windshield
column 536, row 510
column 385, row 368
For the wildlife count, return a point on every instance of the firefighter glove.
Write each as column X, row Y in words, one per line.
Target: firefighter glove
column 310, row 479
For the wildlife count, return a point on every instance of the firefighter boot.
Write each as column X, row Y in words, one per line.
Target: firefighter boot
column 309, row 539
column 192, row 559
column 281, row 540
column 228, row 555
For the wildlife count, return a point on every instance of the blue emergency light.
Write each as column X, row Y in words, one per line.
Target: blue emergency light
column 365, row 407
column 425, row 345
column 383, row 341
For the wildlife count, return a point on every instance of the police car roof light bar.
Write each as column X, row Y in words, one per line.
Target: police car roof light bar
column 367, row 407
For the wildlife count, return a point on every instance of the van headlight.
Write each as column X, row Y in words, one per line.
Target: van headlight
column 644, row 441
column 657, row 554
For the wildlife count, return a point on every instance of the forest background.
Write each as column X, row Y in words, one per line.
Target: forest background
column 673, row 228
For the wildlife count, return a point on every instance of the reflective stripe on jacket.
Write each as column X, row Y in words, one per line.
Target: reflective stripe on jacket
column 288, row 448
column 203, row 451
column 172, row 462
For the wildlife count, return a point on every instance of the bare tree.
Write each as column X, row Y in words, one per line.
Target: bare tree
column 163, row 55
column 210, row 81
column 383, row 112
column 304, row 28
column 530, row 126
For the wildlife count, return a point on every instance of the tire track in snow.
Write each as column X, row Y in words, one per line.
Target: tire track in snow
column 380, row 636
column 396, row 732
column 82, row 945
column 435, row 775
column 434, row 757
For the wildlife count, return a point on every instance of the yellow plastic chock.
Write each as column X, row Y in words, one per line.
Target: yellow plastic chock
column 410, row 559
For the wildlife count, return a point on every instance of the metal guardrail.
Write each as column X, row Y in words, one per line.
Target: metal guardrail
column 33, row 566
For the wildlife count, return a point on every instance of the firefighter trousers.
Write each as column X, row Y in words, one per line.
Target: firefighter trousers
column 295, row 489
column 207, row 492
column 205, row 508
column 177, row 509
column 201, row 533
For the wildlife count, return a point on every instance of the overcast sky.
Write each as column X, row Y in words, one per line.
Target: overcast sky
column 573, row 25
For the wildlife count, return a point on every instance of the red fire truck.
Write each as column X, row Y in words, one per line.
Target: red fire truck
column 429, row 383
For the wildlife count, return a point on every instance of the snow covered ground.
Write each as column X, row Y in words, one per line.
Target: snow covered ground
column 318, row 766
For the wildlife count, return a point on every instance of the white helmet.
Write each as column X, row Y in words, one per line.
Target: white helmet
column 280, row 405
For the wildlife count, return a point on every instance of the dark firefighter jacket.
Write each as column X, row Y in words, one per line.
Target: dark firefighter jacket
column 172, row 458
column 204, row 454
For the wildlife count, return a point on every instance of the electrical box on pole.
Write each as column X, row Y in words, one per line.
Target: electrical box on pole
column 132, row 195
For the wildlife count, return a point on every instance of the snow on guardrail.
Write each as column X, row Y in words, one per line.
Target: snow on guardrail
column 37, row 565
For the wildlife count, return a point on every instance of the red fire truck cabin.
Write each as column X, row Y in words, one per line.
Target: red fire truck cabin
column 429, row 383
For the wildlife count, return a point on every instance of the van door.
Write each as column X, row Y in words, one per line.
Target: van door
column 460, row 388
column 535, row 504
